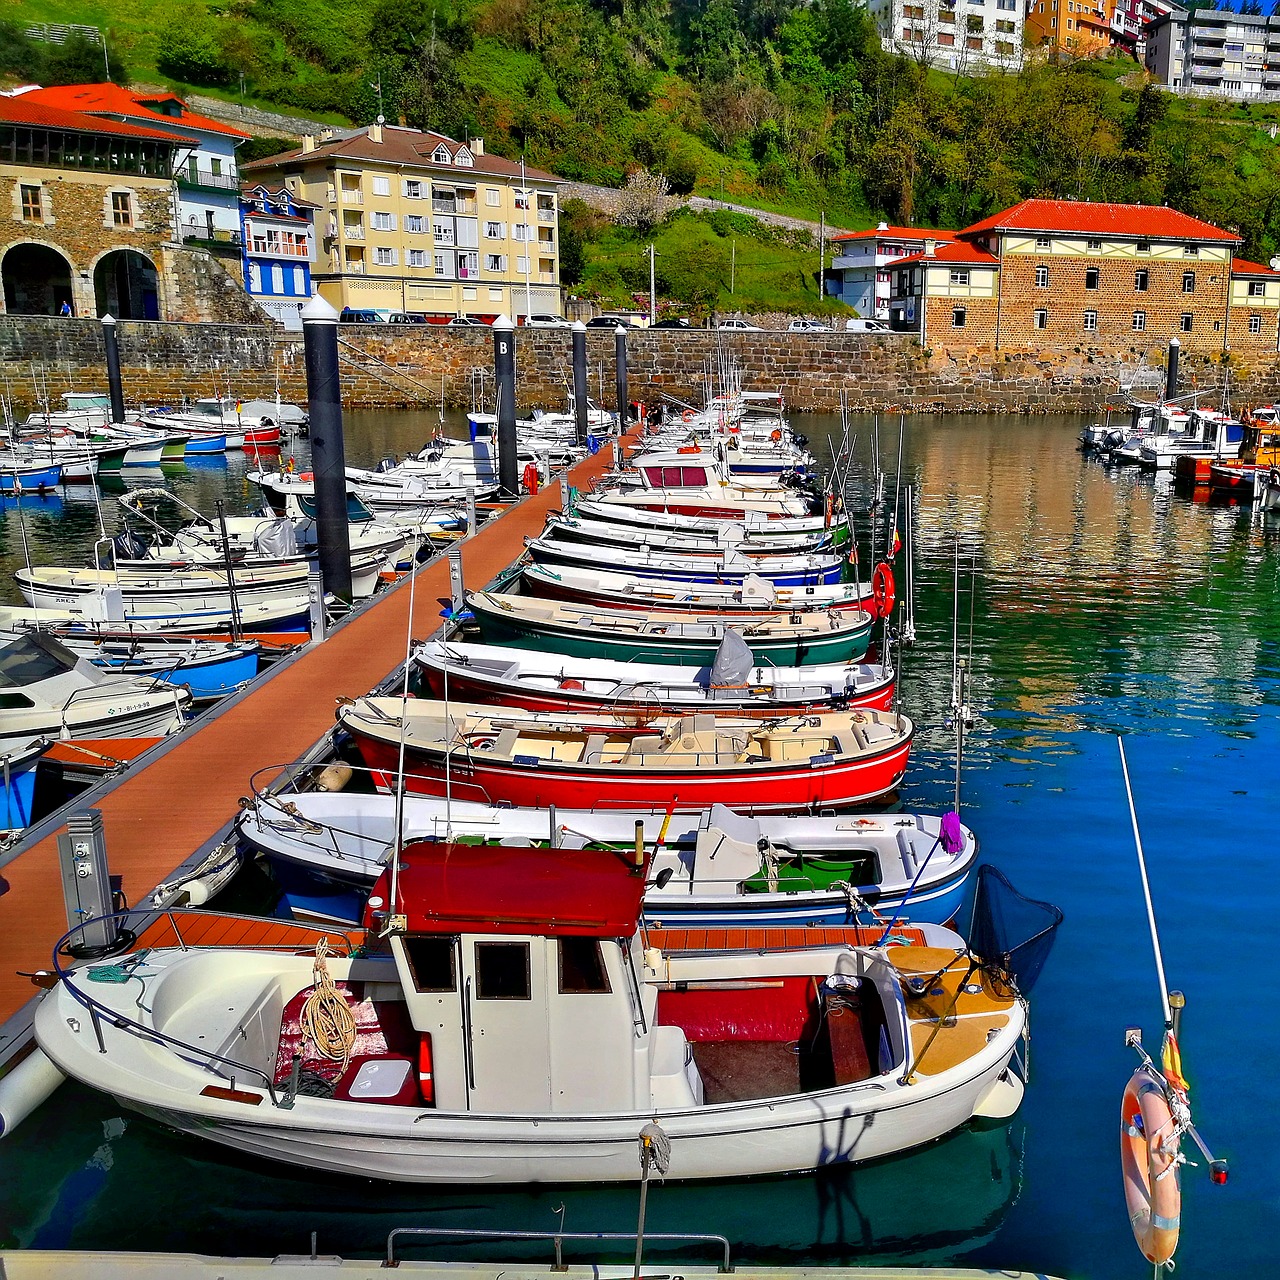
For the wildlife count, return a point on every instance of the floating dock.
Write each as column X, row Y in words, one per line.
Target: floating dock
column 157, row 816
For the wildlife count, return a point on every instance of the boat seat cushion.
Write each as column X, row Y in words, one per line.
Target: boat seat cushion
column 594, row 749
column 850, row 742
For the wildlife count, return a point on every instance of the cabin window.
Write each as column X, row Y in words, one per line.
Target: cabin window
column 15, row 702
column 33, row 658
column 502, row 971
column 582, row 970
column 431, row 961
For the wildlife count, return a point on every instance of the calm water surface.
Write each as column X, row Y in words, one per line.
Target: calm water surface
column 1099, row 603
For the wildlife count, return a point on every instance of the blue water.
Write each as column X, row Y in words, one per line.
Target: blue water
column 1101, row 604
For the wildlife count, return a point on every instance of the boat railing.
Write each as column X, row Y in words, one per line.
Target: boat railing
column 557, row 1240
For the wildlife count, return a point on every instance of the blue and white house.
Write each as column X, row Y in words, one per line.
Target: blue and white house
column 277, row 231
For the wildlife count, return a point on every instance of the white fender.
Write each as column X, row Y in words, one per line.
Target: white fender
column 25, row 1087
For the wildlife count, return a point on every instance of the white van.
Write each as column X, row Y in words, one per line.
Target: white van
column 866, row 326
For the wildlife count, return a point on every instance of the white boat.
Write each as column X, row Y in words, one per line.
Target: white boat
column 521, row 1029
column 48, row 691
column 1150, row 422
column 754, row 524
column 1205, row 434
column 701, row 539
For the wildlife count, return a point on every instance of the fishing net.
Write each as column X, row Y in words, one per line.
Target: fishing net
column 1010, row 930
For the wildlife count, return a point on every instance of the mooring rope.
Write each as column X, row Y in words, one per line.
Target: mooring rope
column 326, row 1019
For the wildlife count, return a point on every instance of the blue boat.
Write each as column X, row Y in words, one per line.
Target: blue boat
column 26, row 478
column 206, row 444
column 18, row 763
column 210, row 669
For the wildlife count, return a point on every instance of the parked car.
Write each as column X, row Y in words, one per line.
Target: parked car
column 739, row 326
column 605, row 322
column 547, row 322
column 857, row 325
column 465, row 322
column 808, row 326
column 672, row 322
column 407, row 317
column 357, row 315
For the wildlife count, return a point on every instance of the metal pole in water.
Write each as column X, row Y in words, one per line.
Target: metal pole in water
column 620, row 358
column 328, row 453
column 504, row 367
column 114, row 384
column 1171, row 370
column 580, row 389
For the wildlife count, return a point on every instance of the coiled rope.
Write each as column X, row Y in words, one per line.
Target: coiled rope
column 326, row 1018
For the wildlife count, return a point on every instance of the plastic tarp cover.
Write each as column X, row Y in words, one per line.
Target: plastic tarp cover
column 733, row 660
column 276, row 538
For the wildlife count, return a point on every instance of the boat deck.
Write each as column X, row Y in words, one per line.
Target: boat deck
column 157, row 817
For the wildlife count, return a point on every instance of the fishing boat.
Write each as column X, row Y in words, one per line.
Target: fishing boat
column 19, row 475
column 676, row 637
column 698, row 539
column 326, row 850
column 50, row 692
column 628, row 591
column 1208, row 435
column 732, row 684
column 799, row 530
column 581, row 759
column 516, row 1026
column 210, row 669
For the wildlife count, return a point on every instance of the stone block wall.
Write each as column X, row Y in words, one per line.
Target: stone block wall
column 389, row 366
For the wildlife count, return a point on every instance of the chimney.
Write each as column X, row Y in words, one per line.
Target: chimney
column 308, row 142
column 375, row 130
column 883, row 226
column 476, row 145
column 930, row 248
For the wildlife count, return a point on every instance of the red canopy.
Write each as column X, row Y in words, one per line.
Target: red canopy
column 462, row 888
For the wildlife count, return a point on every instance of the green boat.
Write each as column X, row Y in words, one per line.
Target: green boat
column 682, row 639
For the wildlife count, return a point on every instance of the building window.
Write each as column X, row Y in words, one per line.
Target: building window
column 521, row 198
column 973, row 42
column 381, row 186
column 1093, row 246
column 33, row 209
column 522, row 266
column 1143, row 246
column 413, row 189
column 468, row 266
column 495, row 295
column 1090, row 322
column 414, row 222
column 383, row 221
column 1255, row 324
column 494, row 231
column 1139, row 321
column 384, row 257
column 440, row 267
column 1140, row 279
column 958, row 318
column 121, row 209
column 495, row 262
column 1041, row 320
column 1190, row 250
column 959, row 277
column 1043, row 242
column 1188, row 282
column 492, row 196
column 1185, row 321
column 1042, row 277
column 443, row 232
column 416, row 257
column 1257, row 288
column 1091, row 278
column 945, row 38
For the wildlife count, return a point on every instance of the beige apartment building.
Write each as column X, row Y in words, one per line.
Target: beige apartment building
column 416, row 222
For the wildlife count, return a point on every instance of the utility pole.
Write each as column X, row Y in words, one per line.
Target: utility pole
column 653, row 293
column 822, row 253
column 376, row 86
column 733, row 262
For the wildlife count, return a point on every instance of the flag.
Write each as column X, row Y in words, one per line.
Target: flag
column 897, row 543
column 1171, row 1062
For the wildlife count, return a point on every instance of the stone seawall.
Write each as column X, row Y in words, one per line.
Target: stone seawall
column 405, row 366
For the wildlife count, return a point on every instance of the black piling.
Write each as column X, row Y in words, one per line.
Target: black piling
column 1171, row 370
column 580, row 391
column 328, row 451
column 620, row 357
column 114, row 384
column 504, row 368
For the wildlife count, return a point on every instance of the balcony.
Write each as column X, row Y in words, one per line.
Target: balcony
column 546, row 277
column 275, row 249
column 546, row 215
column 352, row 196
column 201, row 180
column 352, row 231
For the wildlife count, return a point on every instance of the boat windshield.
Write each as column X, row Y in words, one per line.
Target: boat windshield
column 30, row 659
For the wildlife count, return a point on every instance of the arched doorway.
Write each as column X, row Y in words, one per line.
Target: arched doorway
column 37, row 280
column 125, row 286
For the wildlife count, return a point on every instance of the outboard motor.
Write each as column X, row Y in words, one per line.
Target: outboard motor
column 126, row 545
column 385, row 463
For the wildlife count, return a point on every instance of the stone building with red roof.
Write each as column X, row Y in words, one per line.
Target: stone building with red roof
column 1066, row 273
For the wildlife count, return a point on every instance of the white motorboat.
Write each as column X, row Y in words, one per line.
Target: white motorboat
column 1206, row 433
column 703, row 539
column 753, row 524
column 48, row 691
column 516, row 1026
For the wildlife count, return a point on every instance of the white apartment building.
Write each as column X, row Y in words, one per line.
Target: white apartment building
column 860, row 274
column 960, row 35
column 1216, row 53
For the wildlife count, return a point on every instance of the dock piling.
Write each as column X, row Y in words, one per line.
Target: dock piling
column 1171, row 369
column 580, row 389
column 620, row 359
column 115, row 386
column 504, row 368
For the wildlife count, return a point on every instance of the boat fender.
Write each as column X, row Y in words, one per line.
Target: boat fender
column 334, row 778
column 426, row 1081
column 883, row 591
column 775, row 435
column 575, row 685
column 24, row 1087
column 1149, row 1160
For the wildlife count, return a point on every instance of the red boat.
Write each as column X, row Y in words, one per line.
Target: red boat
column 681, row 763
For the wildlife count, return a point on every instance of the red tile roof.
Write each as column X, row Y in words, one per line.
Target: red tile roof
column 113, row 100
column 1082, row 217
column 22, row 110
column 1242, row 267
column 960, row 251
column 896, row 233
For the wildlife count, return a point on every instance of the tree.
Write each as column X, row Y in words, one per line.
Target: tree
column 573, row 258
column 188, row 48
column 645, row 201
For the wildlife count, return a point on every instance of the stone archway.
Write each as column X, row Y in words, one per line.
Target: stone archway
column 126, row 286
column 37, row 280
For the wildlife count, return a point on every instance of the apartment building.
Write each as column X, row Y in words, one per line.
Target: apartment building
column 414, row 221
column 1080, row 28
column 961, row 35
column 1056, row 273
column 279, row 246
column 1215, row 53
column 860, row 274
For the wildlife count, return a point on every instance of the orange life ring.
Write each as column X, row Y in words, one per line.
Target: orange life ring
column 688, row 448
column 883, row 591
column 307, row 475
column 1149, row 1162
column 776, row 435
column 688, row 415
column 529, row 478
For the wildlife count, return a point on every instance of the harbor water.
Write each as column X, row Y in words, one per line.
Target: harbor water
column 1091, row 603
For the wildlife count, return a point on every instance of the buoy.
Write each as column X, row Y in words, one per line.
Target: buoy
column 1149, row 1142
column 24, row 1087
column 883, row 591
column 334, row 778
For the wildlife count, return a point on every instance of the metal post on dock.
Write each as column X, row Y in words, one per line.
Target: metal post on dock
column 315, row 605
column 114, row 384
column 328, row 453
column 504, row 368
column 86, row 884
column 580, row 390
column 471, row 511
column 457, row 583
column 1171, row 369
column 620, row 357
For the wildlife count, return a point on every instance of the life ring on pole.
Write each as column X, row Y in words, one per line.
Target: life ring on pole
column 883, row 591
column 688, row 415
column 1149, row 1140
column 529, row 478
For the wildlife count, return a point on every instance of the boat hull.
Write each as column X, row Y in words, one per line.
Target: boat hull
column 570, row 555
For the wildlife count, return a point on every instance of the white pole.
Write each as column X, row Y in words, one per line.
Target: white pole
column 653, row 296
column 393, row 907
column 733, row 262
column 528, row 309
column 822, row 254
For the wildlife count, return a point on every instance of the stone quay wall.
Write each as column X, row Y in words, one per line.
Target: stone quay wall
column 405, row 366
